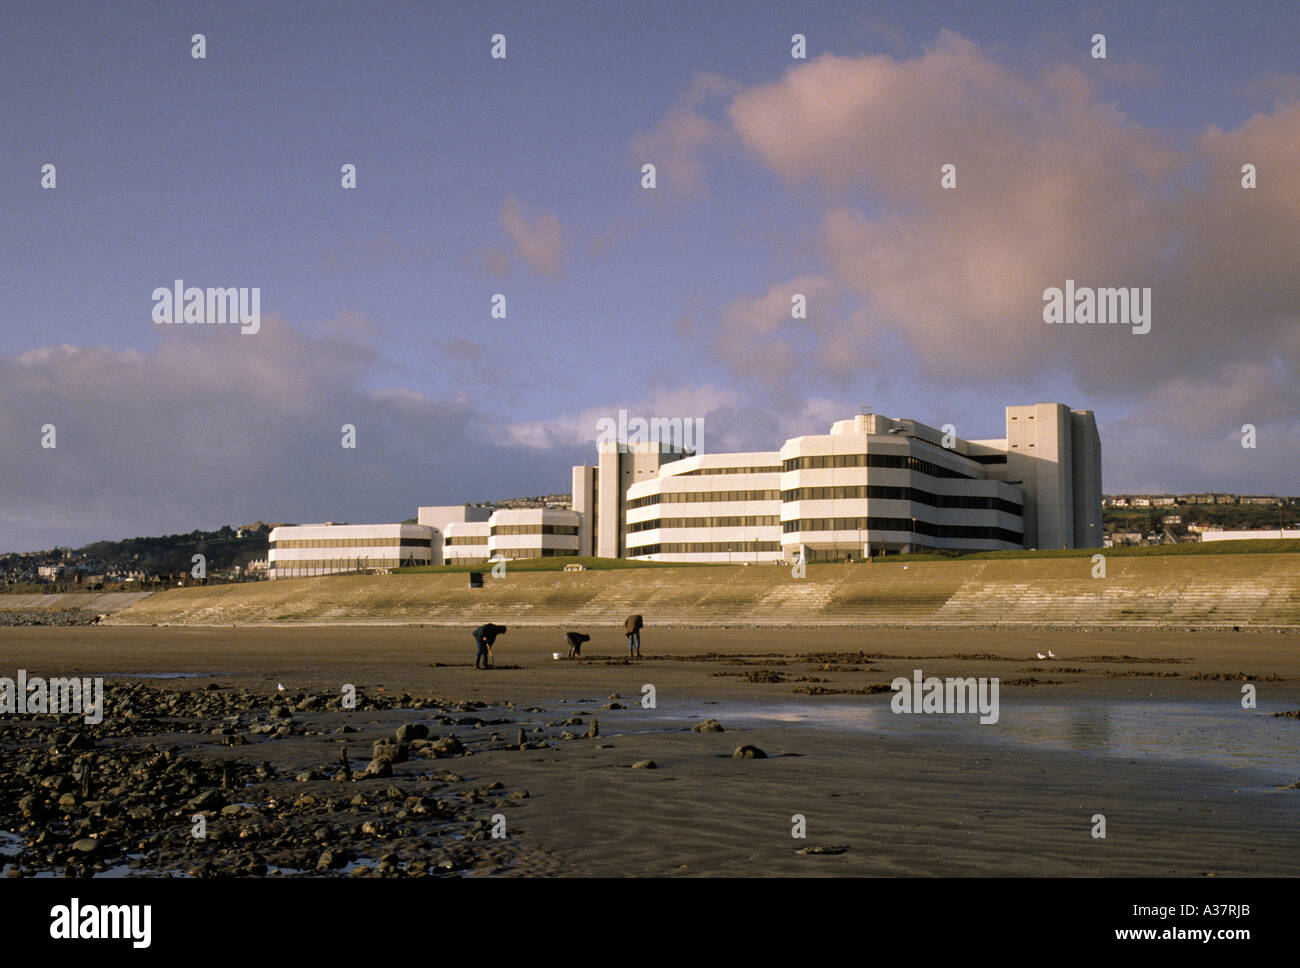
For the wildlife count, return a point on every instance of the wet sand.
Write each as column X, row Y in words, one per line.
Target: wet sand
column 955, row 799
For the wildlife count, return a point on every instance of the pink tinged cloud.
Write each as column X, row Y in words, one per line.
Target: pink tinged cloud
column 539, row 241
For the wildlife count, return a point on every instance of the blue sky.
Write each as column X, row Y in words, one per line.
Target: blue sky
column 521, row 176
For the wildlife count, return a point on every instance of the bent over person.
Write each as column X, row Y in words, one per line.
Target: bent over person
column 632, row 629
column 484, row 636
column 575, row 640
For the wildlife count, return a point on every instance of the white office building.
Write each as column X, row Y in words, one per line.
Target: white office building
column 465, row 543
column 711, row 507
column 299, row 551
column 532, row 533
column 873, row 485
column 442, row 517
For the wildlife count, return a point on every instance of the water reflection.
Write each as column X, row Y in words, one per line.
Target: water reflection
column 1212, row 731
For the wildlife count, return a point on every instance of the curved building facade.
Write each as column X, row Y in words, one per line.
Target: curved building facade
column 875, row 485
column 712, row 507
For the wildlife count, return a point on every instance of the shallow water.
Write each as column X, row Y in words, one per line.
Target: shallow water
column 154, row 675
column 1215, row 732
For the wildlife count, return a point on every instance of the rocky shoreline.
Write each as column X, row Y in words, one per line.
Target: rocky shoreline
column 158, row 787
column 65, row 617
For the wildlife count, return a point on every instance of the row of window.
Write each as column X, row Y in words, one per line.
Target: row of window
column 706, row 547
column 534, row 529
column 469, row 539
column 753, row 520
column 702, row 497
column 872, row 460
column 713, row 471
column 352, row 543
column 343, row 564
column 906, row 525
column 901, row 494
column 533, row 552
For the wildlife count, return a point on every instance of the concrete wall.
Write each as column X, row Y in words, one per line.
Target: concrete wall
column 1085, row 450
column 1039, row 453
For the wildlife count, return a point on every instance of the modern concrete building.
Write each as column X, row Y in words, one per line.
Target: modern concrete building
column 465, row 543
column 439, row 517
column 873, row 485
column 532, row 533
column 713, row 507
column 324, row 549
column 600, row 492
column 1055, row 455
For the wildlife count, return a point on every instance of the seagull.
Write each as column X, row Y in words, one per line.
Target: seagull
column 280, row 685
column 1040, row 655
column 1051, row 654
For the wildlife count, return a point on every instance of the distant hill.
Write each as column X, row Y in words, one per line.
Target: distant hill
column 144, row 557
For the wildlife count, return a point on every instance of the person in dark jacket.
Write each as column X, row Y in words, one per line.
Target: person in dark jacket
column 575, row 640
column 484, row 636
column 632, row 629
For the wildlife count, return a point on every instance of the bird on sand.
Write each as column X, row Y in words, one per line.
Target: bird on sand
column 1040, row 655
column 1051, row 654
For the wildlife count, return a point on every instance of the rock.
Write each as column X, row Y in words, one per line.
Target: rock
column 208, row 800
column 309, row 775
column 749, row 753
column 379, row 767
column 521, row 740
column 708, row 726
column 410, row 731
column 448, row 746
column 393, row 752
column 281, row 712
column 594, row 730
column 612, row 705
column 79, row 742
column 822, row 849
column 645, row 765
column 86, row 845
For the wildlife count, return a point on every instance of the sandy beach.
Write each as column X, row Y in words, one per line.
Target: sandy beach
column 1146, row 729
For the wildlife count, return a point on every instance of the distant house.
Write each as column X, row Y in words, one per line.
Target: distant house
column 1142, row 502
column 1163, row 501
